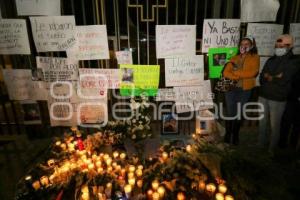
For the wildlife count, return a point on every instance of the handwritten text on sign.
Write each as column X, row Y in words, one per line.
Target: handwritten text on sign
column 55, row 33
column 91, row 43
column 184, row 71
column 57, row 69
column 259, row 10
column 295, row 32
column 175, row 40
column 92, row 112
column 265, row 36
column 124, row 57
column 13, row 37
column 220, row 33
column 38, row 7
column 193, row 98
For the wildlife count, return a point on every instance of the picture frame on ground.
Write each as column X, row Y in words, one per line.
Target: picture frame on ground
column 31, row 112
column 169, row 124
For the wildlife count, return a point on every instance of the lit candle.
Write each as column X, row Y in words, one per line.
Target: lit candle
column 229, row 197
column 202, row 185
column 155, row 196
column 131, row 182
column 109, row 185
column 140, row 167
column 114, row 164
column 36, row 185
column 85, row 189
column 219, row 196
column 100, row 170
column 161, row 190
column 98, row 164
column 131, row 168
column 130, row 175
column 58, row 143
column 211, row 187
column 122, row 156
column 109, row 169
column 165, row 156
column 139, row 173
column 50, row 162
column 139, row 183
column 85, row 196
column 116, row 154
column 94, row 157
column 44, row 181
column 91, row 166
column 149, row 193
column 155, row 184
column 222, row 188
column 180, row 196
column 189, row 148
column 108, row 161
column 63, row 146
column 127, row 190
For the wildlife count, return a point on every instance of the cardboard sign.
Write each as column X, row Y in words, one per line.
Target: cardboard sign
column 175, row 40
column 124, row 57
column 184, row 70
column 137, row 79
column 91, row 43
column 31, row 112
column 295, row 32
column 55, row 33
column 165, row 94
column 38, row 7
column 259, row 10
column 14, row 37
column 217, row 57
column 57, row 69
column 265, row 36
column 193, row 98
column 220, row 33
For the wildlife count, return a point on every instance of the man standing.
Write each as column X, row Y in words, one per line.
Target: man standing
column 275, row 80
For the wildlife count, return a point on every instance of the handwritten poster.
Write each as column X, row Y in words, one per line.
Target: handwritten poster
column 91, row 43
column 124, row 57
column 14, row 37
column 263, row 61
column 55, row 33
column 184, row 70
column 217, row 58
column 220, row 33
column 165, row 94
column 175, row 40
column 21, row 87
column 265, row 36
column 193, row 98
column 259, row 10
column 38, row 7
column 57, row 69
column 137, row 79
column 92, row 112
column 295, row 32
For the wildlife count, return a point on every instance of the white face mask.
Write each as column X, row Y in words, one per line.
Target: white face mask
column 280, row 51
column 244, row 50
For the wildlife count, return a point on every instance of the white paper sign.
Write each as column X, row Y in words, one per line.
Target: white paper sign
column 55, row 33
column 97, row 77
column 263, row 61
column 220, row 33
column 38, row 7
column 265, row 36
column 295, row 32
column 184, row 70
column 175, row 40
column 194, row 97
column 259, row 10
column 91, row 43
column 124, row 57
column 92, row 112
column 14, row 37
column 165, row 94
column 57, row 69
column 21, row 87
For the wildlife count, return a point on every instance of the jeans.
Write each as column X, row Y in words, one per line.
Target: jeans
column 273, row 111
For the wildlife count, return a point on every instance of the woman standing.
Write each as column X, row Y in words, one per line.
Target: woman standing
column 243, row 68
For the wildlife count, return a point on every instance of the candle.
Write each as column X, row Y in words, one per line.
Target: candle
column 211, row 187
column 131, row 168
column 108, row 161
column 98, row 164
column 140, row 167
column 229, row 197
column 44, row 181
column 85, row 189
column 51, row 178
column 63, row 146
column 219, row 196
column 109, row 185
column 189, row 148
column 85, row 196
column 139, row 183
column 149, row 193
column 36, row 185
column 109, row 169
column 127, row 190
column 130, row 175
column 50, row 162
column 122, row 156
column 161, row 190
column 155, row 196
column 180, row 196
column 165, row 156
column 94, row 157
column 100, row 170
column 91, row 166
column 131, row 181
column 139, row 173
column 155, row 184
column 58, row 143
column 222, row 188
column 28, row 178
column 116, row 154
column 202, row 185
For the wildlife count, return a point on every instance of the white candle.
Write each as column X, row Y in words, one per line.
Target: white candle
column 222, row 188
column 161, row 190
column 155, row 184
column 219, row 196
column 211, row 187
column 228, row 197
column 155, row 196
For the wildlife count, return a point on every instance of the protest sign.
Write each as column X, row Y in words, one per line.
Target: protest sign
column 220, row 33
column 165, row 94
column 38, row 7
column 175, row 40
column 184, row 70
column 295, row 32
column 14, row 37
column 217, row 57
column 265, row 36
column 137, row 79
column 57, row 69
column 193, row 98
column 91, row 43
column 92, row 112
column 259, row 10
column 124, row 57
column 55, row 33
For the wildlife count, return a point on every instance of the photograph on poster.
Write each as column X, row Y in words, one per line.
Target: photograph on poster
column 127, row 75
column 169, row 124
